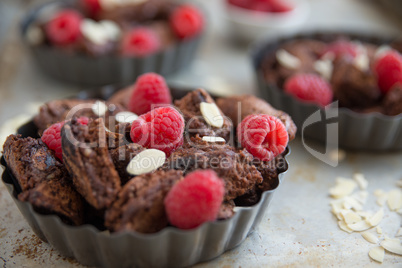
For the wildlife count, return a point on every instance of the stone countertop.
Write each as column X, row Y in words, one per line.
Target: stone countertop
column 298, row 229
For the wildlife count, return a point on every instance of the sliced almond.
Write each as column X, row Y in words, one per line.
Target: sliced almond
column 337, row 155
column 324, row 67
column 211, row 114
column 377, row 254
column 359, row 226
column 399, row 233
column 375, row 220
column 344, row 227
column 147, row 161
column 342, row 188
column 287, row 60
column 352, row 203
column 361, row 197
column 213, row 139
column 395, row 200
column 99, row 108
column 361, row 61
column 381, row 51
column 126, row 117
column 382, row 199
column 361, row 181
column 365, row 214
column 392, row 245
column 370, row 237
column 379, row 230
column 351, row 217
column 379, row 192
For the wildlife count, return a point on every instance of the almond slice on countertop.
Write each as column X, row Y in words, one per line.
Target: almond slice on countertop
column 126, row 117
column 287, row 60
column 343, row 187
column 370, row 237
column 365, row 214
column 361, row 181
column 377, row 217
column 342, row 225
column 99, row 108
column 211, row 114
column 377, row 254
column 360, row 226
column 213, row 139
column 361, row 197
column 392, row 245
column 395, row 200
column 379, row 230
column 350, row 217
column 351, row 203
column 146, row 161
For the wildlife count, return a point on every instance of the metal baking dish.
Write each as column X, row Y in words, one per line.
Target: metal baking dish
column 356, row 131
column 167, row 248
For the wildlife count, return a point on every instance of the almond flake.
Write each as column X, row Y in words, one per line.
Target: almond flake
column 342, row 188
column 361, row 181
column 370, row 237
column 360, row 197
column 100, row 33
column 211, row 114
column 146, row 161
column 382, row 199
column 399, row 233
column 337, row 155
column 381, row 51
column 377, row 254
column 352, row 203
column 395, row 200
column 359, row 226
column 344, row 227
column 126, row 117
column 324, row 68
column 351, row 217
column 213, row 139
column 361, row 61
column 392, row 245
column 99, row 108
column 379, row 230
column 365, row 214
column 375, row 220
column 287, row 60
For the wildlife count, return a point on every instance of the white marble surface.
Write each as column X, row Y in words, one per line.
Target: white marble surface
column 299, row 229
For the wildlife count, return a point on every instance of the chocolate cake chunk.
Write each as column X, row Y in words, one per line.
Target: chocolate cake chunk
column 59, row 110
column 249, row 104
column 86, row 156
column 139, row 205
column 392, row 103
column 235, row 167
column 352, row 87
column 44, row 181
column 189, row 106
column 122, row 156
column 122, row 97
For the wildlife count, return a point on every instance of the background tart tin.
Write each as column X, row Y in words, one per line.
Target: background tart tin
column 85, row 70
column 356, row 131
column 167, row 248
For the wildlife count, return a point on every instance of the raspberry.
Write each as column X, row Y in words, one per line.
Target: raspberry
column 51, row 137
column 91, row 6
column 149, row 89
column 64, row 28
column 195, row 200
column 186, row 21
column 263, row 5
column 342, row 48
column 389, row 70
column 309, row 87
column 140, row 42
column 264, row 136
column 161, row 128
column 280, row 6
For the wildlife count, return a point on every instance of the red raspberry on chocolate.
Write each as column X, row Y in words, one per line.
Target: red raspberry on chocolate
column 150, row 90
column 140, row 42
column 195, row 199
column 51, row 137
column 309, row 87
column 162, row 129
column 186, row 21
column 388, row 69
column 264, row 136
column 65, row 28
column 91, row 6
column 342, row 48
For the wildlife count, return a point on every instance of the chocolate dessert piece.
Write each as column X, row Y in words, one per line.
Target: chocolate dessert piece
column 353, row 87
column 44, row 181
column 189, row 106
column 249, row 104
column 139, row 205
column 235, row 167
column 122, row 156
column 59, row 110
column 86, row 156
column 122, row 97
column 392, row 103
column 226, row 210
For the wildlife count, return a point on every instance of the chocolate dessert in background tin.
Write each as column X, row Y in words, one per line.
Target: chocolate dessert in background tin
column 88, row 65
column 169, row 246
column 365, row 121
